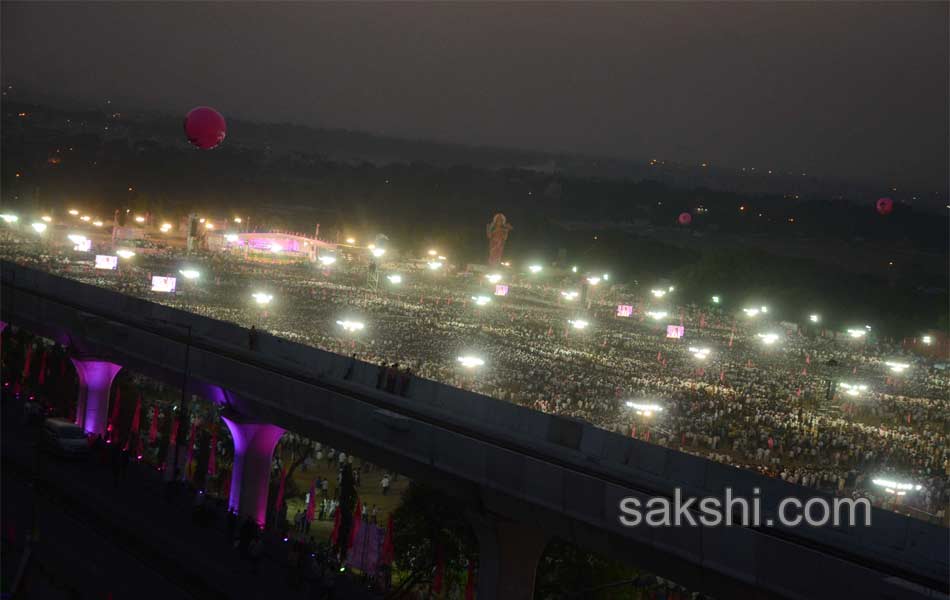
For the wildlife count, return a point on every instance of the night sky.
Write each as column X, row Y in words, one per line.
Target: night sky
column 854, row 89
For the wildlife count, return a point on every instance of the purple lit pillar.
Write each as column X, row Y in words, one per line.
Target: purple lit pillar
column 254, row 445
column 95, row 382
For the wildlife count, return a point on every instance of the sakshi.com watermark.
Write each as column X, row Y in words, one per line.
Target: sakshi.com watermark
column 730, row 510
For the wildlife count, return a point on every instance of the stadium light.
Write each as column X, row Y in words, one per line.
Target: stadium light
column 656, row 315
column 606, row 277
column 927, row 340
column 593, row 280
column 715, row 299
column 569, row 295
column 672, row 289
column 579, row 323
column 97, row 223
column 433, row 252
column 764, row 309
column 751, row 312
column 231, row 238
column 209, row 225
column 470, row 362
column 190, row 273
column 481, row 300
column 493, row 277
column 125, row 253
column 46, row 219
column 139, row 219
column 262, row 298
column 657, row 293
column 434, row 265
column 350, row 240
column 854, row 389
column 768, row 338
column 85, row 218
column 327, row 260
column 8, row 218
column 377, row 252
column 39, row 227
column 73, row 212
column 276, row 248
column 394, row 279
column 351, row 326
column 814, row 318
column 646, row 410
column 574, row 269
column 76, row 238
column 238, row 220
column 535, row 268
column 857, row 333
column 166, row 227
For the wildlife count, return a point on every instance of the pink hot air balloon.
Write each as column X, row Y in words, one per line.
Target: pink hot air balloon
column 684, row 218
column 884, row 206
column 205, row 127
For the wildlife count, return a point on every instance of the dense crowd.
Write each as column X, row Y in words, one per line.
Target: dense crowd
column 775, row 408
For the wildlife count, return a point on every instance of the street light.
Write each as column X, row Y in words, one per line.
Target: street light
column 853, row 389
column 470, row 362
column 351, row 326
column 646, row 410
column 262, row 298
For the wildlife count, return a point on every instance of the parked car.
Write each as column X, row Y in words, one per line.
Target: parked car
column 65, row 438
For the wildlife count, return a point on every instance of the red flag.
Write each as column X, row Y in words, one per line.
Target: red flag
column 335, row 536
column 29, row 359
column 659, row 355
column 439, row 572
column 173, row 435
column 722, row 376
column 647, row 436
column 280, row 489
column 388, row 549
column 805, row 371
column 153, row 428
column 212, row 455
column 136, row 416
column 357, row 520
column 807, row 359
column 682, row 439
column 633, row 430
column 312, row 503
column 110, row 428
column 470, row 582
column 771, row 443
column 43, row 367
column 730, row 340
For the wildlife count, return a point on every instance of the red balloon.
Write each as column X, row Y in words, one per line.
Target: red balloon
column 205, row 127
column 885, row 206
column 685, row 218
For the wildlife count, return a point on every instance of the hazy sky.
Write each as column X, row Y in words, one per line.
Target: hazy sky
column 848, row 89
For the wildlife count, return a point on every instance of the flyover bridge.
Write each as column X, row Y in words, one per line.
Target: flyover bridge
column 522, row 476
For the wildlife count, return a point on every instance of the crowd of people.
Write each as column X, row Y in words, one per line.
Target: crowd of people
column 777, row 408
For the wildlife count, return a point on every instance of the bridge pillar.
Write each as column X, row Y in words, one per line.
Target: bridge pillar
column 254, row 445
column 508, row 555
column 95, row 382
